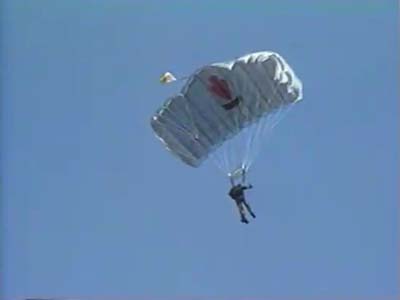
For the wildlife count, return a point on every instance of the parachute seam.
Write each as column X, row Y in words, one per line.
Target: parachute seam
column 266, row 100
column 232, row 130
column 175, row 140
column 281, row 97
column 199, row 128
column 186, row 111
column 260, row 127
column 226, row 125
column 200, row 113
column 228, row 128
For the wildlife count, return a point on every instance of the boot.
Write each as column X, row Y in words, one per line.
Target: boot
column 244, row 220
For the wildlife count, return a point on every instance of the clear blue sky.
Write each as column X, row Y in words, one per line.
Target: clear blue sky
column 93, row 205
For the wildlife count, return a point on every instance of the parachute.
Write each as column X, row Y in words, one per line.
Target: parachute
column 167, row 77
column 225, row 110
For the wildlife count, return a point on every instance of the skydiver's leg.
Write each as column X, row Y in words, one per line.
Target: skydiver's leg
column 239, row 204
column 249, row 208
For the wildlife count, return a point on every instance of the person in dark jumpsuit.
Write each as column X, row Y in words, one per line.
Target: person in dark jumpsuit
column 237, row 194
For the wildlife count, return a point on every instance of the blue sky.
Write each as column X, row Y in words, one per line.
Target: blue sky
column 92, row 205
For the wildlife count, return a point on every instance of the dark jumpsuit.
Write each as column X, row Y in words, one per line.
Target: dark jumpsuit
column 237, row 194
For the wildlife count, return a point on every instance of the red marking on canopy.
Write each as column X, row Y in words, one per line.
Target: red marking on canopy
column 219, row 87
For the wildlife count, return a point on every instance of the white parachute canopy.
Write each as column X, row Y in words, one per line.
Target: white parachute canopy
column 225, row 110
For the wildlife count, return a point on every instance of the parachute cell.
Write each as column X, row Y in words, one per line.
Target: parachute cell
column 227, row 103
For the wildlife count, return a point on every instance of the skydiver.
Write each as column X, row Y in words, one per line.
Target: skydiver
column 237, row 194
